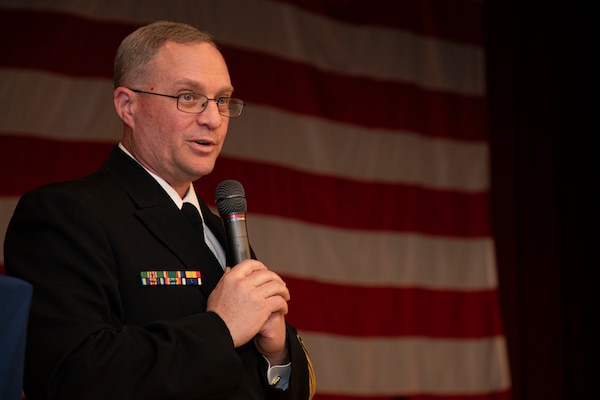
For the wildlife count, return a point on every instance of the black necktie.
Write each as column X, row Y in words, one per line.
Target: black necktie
column 191, row 212
column 210, row 267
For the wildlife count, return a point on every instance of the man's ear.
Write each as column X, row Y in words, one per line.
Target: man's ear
column 123, row 100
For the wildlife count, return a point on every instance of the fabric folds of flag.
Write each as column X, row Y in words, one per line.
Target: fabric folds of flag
column 363, row 152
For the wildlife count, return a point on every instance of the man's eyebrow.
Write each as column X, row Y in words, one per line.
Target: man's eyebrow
column 200, row 87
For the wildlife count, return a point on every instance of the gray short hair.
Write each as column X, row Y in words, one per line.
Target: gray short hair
column 139, row 48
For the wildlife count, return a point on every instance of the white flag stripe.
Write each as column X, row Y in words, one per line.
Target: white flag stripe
column 7, row 207
column 81, row 109
column 373, row 258
column 427, row 262
column 384, row 366
column 327, row 147
column 58, row 107
column 353, row 53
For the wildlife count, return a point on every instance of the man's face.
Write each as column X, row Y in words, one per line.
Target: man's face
column 177, row 146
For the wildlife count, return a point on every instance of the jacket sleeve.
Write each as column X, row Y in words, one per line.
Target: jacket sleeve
column 302, row 383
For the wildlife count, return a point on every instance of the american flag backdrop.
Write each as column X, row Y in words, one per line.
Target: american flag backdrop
column 363, row 151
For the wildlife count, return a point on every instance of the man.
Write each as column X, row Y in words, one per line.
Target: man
column 99, row 251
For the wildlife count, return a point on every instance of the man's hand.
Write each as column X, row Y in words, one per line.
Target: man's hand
column 270, row 341
column 250, row 299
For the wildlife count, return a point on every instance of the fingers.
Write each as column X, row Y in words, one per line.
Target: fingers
column 246, row 296
column 277, row 305
column 272, row 287
column 259, row 276
column 270, row 341
column 247, row 267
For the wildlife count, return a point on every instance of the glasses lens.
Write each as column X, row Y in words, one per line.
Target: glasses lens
column 192, row 102
column 233, row 108
column 196, row 103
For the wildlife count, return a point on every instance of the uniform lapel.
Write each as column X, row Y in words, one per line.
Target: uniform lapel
column 214, row 223
column 160, row 215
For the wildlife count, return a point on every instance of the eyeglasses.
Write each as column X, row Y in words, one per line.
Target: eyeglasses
column 195, row 103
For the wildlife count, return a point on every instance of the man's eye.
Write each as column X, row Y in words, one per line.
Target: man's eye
column 222, row 100
column 187, row 97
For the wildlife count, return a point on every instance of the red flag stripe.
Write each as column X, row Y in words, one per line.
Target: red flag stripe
column 409, row 312
column 17, row 153
column 446, row 19
column 351, row 204
column 297, row 195
column 400, row 311
column 361, row 101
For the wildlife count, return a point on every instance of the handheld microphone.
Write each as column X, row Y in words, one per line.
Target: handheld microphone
column 231, row 203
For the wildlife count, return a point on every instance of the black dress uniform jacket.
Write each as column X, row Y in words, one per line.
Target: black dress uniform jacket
column 95, row 331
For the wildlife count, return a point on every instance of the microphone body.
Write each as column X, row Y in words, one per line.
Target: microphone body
column 231, row 203
column 237, row 237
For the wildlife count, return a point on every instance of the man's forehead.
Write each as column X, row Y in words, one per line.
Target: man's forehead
column 199, row 85
column 195, row 64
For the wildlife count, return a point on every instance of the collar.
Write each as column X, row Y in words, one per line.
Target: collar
column 190, row 195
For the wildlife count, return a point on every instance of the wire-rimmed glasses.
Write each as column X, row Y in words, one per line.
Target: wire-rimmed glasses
column 195, row 103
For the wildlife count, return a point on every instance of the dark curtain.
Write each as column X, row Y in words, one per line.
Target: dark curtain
column 541, row 99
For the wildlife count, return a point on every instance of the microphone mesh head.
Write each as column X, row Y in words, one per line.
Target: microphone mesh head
column 231, row 198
